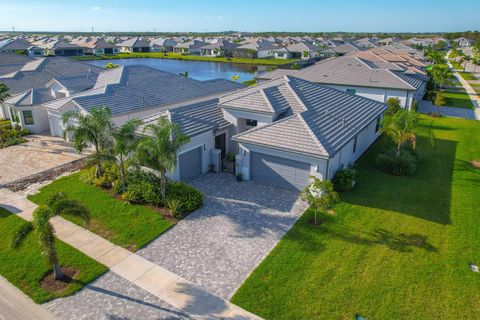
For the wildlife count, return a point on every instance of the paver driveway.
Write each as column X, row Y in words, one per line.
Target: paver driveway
column 39, row 153
column 220, row 244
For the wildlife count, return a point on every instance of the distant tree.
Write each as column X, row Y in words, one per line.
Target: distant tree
column 111, row 65
column 401, row 127
column 4, row 94
column 184, row 74
column 320, row 195
column 295, row 66
column 306, row 54
column 56, row 205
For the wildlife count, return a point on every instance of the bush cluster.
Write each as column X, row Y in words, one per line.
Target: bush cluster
column 189, row 197
column 403, row 165
column 344, row 179
column 11, row 135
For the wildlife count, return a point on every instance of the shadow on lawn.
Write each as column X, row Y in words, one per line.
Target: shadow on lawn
column 427, row 195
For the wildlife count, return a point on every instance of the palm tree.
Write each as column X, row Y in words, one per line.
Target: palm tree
column 91, row 129
column 441, row 76
column 124, row 144
column 159, row 150
column 401, row 128
column 56, row 205
column 4, row 95
column 464, row 59
column 475, row 62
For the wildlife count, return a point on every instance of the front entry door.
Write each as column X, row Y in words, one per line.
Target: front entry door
column 221, row 144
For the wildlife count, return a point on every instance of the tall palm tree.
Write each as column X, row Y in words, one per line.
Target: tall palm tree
column 4, row 95
column 475, row 62
column 401, row 128
column 57, row 204
column 441, row 76
column 91, row 129
column 125, row 143
column 159, row 150
column 464, row 59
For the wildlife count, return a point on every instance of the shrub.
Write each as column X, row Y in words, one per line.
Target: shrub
column 190, row 198
column 109, row 174
column 393, row 106
column 128, row 197
column 440, row 99
column 344, row 179
column 174, row 205
column 403, row 165
column 145, row 187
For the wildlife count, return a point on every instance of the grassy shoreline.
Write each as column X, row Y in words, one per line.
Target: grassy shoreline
column 176, row 56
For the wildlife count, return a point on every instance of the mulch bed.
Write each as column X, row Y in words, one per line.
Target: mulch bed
column 49, row 283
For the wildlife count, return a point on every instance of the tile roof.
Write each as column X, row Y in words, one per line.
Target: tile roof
column 331, row 118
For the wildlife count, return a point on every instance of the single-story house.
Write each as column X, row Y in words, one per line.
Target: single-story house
column 303, row 50
column 189, row 47
column 361, row 77
column 96, row 46
column 162, row 45
column 221, row 48
column 134, row 44
column 256, row 49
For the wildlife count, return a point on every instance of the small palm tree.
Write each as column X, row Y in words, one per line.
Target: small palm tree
column 4, row 95
column 464, row 61
column 441, row 76
column 159, row 150
column 125, row 143
column 91, row 129
column 401, row 128
column 58, row 204
column 475, row 62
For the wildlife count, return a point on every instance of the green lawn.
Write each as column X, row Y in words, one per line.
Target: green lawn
column 458, row 99
column 130, row 226
column 467, row 76
column 398, row 247
column 456, row 64
column 25, row 267
column 159, row 55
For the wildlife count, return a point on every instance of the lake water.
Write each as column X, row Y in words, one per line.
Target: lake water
column 199, row 70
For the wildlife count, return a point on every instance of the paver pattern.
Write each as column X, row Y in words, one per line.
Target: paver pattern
column 111, row 297
column 39, row 153
column 219, row 245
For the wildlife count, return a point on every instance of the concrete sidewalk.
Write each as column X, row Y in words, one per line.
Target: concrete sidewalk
column 14, row 304
column 470, row 91
column 171, row 288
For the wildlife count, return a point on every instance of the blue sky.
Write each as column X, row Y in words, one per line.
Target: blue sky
column 242, row 15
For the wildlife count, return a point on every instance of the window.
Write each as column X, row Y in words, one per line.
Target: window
column 28, row 117
column 351, row 92
column 355, row 145
column 378, row 123
column 251, row 123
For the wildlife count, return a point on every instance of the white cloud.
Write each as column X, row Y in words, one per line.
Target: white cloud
column 95, row 8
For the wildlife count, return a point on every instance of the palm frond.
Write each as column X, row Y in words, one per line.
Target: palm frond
column 21, row 234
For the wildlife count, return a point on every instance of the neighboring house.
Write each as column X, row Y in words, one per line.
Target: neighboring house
column 365, row 43
column 303, row 50
column 301, row 129
column 136, row 91
column 221, row 48
column 162, row 45
column 189, row 47
column 135, row 44
column 38, row 74
column 256, row 49
column 361, row 77
column 463, row 42
column 10, row 62
column 96, row 46
column 22, row 45
column 345, row 48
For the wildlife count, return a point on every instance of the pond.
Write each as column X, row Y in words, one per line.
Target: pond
column 199, row 70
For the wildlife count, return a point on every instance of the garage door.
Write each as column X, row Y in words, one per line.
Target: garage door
column 282, row 172
column 190, row 164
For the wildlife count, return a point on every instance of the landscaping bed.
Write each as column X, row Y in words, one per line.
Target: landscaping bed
column 131, row 226
column 11, row 134
column 177, row 56
column 396, row 248
column 25, row 267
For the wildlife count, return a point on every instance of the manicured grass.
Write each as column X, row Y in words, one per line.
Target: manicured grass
column 159, row 55
column 130, row 226
column 458, row 99
column 456, row 64
column 467, row 76
column 397, row 248
column 25, row 267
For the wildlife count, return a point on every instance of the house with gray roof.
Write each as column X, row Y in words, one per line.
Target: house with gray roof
column 162, row 45
column 135, row 44
column 96, row 46
column 256, row 49
column 42, row 80
column 221, row 48
column 136, row 91
column 361, row 77
column 189, row 47
column 289, row 129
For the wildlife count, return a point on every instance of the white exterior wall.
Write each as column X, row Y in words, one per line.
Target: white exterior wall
column 40, row 119
column 378, row 94
column 346, row 156
column 4, row 111
column 317, row 166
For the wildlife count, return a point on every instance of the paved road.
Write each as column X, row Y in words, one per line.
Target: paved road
column 14, row 305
